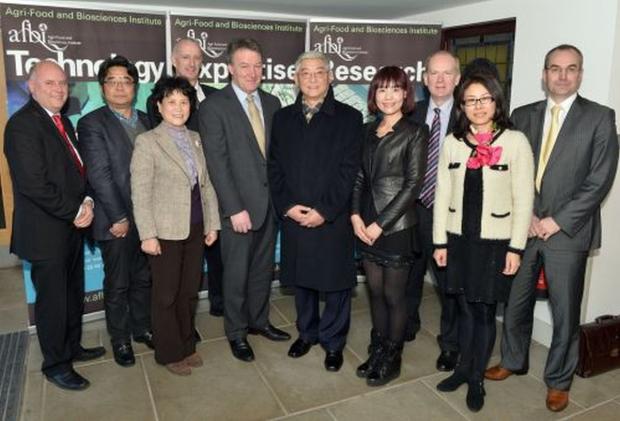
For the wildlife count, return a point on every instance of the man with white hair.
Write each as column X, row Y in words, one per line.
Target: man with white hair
column 314, row 157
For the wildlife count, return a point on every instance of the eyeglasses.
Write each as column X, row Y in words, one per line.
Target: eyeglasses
column 471, row 102
column 115, row 83
column 313, row 75
column 571, row 70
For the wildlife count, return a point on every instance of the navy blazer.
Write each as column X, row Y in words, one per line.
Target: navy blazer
column 106, row 150
column 48, row 188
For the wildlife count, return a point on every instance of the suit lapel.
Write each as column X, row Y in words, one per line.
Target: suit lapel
column 267, row 112
column 537, row 122
column 165, row 141
column 116, row 126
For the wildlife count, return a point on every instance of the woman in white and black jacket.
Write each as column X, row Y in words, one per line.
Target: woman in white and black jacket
column 483, row 207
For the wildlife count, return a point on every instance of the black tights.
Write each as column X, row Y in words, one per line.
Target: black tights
column 476, row 337
column 388, row 304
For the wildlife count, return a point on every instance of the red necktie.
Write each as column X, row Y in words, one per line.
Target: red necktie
column 61, row 128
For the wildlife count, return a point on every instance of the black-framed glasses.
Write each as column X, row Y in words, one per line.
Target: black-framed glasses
column 115, row 83
column 484, row 100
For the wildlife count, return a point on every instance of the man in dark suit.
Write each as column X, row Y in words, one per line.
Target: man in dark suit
column 441, row 77
column 107, row 136
column 235, row 127
column 51, row 209
column 313, row 160
column 576, row 152
column 187, row 62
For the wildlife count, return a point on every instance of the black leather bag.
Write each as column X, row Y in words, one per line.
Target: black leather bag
column 599, row 347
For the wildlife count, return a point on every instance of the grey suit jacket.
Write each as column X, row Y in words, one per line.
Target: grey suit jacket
column 579, row 173
column 236, row 165
column 161, row 187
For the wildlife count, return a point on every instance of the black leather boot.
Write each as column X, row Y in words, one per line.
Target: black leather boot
column 388, row 367
column 375, row 350
column 475, row 395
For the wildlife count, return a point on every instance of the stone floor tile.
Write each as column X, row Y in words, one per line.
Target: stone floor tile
column 517, row 398
column 32, row 402
column 609, row 411
column 116, row 393
column 223, row 389
column 317, row 415
column 411, row 401
column 303, row 383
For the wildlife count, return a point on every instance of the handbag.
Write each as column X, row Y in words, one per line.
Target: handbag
column 599, row 346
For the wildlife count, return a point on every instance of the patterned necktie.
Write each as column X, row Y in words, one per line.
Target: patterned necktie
column 61, row 128
column 257, row 123
column 427, row 195
column 547, row 146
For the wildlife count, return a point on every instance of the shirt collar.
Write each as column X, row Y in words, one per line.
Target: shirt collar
column 243, row 95
column 565, row 105
column 446, row 107
column 132, row 120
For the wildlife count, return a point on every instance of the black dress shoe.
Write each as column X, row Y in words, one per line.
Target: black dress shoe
column 123, row 355
column 69, row 380
column 475, row 396
column 242, row 350
column 146, row 338
column 447, row 360
column 452, row 383
column 270, row 332
column 333, row 360
column 299, row 348
column 87, row 354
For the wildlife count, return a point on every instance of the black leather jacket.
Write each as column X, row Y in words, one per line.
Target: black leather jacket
column 394, row 174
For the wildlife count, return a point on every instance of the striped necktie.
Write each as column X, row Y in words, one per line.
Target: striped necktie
column 427, row 195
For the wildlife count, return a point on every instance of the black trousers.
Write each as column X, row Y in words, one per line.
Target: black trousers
column 330, row 328
column 477, row 333
column 448, row 329
column 215, row 271
column 248, row 272
column 59, row 284
column 126, row 287
column 177, row 274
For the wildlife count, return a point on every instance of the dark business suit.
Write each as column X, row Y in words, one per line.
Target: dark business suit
column 48, row 190
column 238, row 171
column 106, row 149
column 448, row 330
column 213, row 253
column 578, row 176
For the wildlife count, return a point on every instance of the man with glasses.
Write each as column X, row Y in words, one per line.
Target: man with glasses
column 107, row 137
column 576, row 152
column 313, row 160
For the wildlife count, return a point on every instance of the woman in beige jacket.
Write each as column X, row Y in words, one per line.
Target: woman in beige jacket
column 176, row 214
column 483, row 207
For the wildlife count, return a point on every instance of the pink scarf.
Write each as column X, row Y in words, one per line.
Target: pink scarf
column 485, row 153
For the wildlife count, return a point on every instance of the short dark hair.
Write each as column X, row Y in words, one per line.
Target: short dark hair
column 480, row 65
column 117, row 61
column 386, row 76
column 242, row 43
column 564, row 47
column 167, row 85
column 500, row 118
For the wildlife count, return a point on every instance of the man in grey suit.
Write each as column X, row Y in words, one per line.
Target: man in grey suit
column 235, row 126
column 107, row 137
column 576, row 151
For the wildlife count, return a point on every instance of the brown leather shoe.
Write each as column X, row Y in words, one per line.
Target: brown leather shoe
column 497, row 373
column 180, row 368
column 194, row 360
column 557, row 400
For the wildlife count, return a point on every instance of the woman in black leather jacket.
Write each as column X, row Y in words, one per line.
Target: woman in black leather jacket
column 383, row 216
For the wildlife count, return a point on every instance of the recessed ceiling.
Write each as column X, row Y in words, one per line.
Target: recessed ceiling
column 349, row 9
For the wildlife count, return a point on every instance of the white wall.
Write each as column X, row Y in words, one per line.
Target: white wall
column 540, row 25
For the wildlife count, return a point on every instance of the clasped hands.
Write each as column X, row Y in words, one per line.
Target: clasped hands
column 543, row 228
column 511, row 265
column 305, row 216
column 367, row 234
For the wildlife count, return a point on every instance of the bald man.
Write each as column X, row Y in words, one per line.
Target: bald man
column 51, row 210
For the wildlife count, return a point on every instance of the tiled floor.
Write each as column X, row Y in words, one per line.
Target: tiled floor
column 278, row 387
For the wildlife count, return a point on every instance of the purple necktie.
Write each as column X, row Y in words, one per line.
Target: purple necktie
column 427, row 195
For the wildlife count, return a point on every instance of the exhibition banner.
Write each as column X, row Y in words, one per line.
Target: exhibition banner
column 357, row 50
column 79, row 40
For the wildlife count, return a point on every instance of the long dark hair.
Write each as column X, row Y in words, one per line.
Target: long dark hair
column 500, row 118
